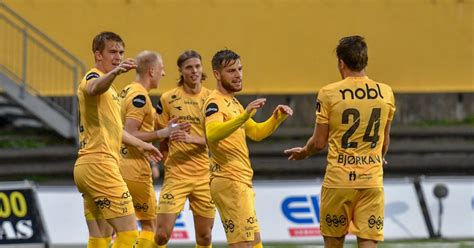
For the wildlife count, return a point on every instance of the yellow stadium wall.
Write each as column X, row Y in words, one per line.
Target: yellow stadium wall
column 287, row 46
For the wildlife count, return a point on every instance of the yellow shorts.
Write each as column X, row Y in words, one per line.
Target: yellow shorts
column 236, row 204
column 174, row 192
column 105, row 193
column 144, row 199
column 360, row 211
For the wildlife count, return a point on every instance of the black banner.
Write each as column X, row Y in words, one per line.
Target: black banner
column 20, row 220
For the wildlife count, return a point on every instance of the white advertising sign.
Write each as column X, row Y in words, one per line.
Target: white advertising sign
column 288, row 211
column 458, row 207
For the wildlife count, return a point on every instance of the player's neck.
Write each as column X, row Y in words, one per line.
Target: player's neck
column 144, row 82
column 223, row 91
column 100, row 67
column 349, row 73
column 192, row 90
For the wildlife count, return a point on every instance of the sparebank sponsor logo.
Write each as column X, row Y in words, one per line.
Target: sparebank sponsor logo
column 303, row 212
column 179, row 231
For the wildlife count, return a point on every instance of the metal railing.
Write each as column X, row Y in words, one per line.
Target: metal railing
column 38, row 64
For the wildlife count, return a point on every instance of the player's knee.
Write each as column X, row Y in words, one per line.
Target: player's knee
column 204, row 238
column 162, row 237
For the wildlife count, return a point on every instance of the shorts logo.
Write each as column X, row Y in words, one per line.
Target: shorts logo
column 251, row 220
column 211, row 109
column 377, row 222
column 336, row 221
column 126, row 195
column 139, row 101
column 215, row 168
column 228, row 226
column 143, row 207
column 167, row 196
column 92, row 75
column 104, row 203
column 124, row 150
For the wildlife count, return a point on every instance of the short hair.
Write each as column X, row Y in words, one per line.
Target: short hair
column 353, row 51
column 188, row 54
column 145, row 60
column 98, row 44
column 223, row 58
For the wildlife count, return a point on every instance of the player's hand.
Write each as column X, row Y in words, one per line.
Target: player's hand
column 181, row 135
column 282, row 109
column 384, row 162
column 296, row 153
column 125, row 66
column 150, row 151
column 256, row 104
column 173, row 126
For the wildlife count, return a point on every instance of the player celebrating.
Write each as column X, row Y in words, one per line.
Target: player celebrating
column 227, row 125
column 349, row 115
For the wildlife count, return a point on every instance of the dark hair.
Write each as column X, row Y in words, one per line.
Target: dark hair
column 353, row 51
column 98, row 44
column 189, row 54
column 223, row 58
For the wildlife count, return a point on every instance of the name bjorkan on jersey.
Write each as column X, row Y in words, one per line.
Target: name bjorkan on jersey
column 360, row 93
column 358, row 160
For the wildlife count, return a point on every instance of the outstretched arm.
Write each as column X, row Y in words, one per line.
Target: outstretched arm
column 316, row 143
column 102, row 84
column 259, row 131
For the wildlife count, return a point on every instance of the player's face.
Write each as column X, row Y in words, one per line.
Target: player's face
column 231, row 76
column 191, row 70
column 157, row 73
column 111, row 56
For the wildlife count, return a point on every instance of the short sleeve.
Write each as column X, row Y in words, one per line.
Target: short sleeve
column 213, row 111
column 162, row 116
column 322, row 108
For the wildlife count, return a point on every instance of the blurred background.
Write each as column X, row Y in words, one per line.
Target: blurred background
column 424, row 49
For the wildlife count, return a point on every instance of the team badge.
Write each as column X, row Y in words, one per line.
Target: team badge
column 139, row 101
column 211, row 109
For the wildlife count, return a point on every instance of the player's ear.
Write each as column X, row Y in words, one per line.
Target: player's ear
column 341, row 64
column 98, row 55
column 217, row 74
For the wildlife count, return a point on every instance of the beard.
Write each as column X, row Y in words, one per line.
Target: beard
column 230, row 87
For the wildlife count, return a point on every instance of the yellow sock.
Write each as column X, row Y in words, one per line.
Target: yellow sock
column 259, row 245
column 98, row 242
column 203, row 246
column 125, row 239
column 146, row 240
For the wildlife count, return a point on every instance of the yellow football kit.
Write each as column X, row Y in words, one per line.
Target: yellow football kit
column 227, row 126
column 187, row 165
column 134, row 167
column 96, row 171
column 356, row 110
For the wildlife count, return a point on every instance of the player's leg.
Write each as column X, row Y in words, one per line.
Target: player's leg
column 368, row 217
column 126, row 230
column 336, row 214
column 234, row 202
column 144, row 202
column 257, row 242
column 172, row 198
column 204, row 212
column 100, row 232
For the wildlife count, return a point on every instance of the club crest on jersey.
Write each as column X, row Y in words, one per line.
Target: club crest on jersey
column 159, row 108
column 139, row 101
column 211, row 109
column 92, row 75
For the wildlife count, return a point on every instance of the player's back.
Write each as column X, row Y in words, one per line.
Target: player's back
column 356, row 110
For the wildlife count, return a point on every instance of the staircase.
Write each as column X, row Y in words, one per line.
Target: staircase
column 37, row 77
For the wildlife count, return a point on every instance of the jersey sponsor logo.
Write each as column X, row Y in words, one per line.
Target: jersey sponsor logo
column 124, row 92
column 358, row 160
column 159, row 108
column 191, row 119
column 361, row 93
column 174, row 98
column 92, row 75
column 190, row 102
column 211, row 109
column 139, row 101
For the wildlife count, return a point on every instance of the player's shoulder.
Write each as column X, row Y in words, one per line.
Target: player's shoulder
column 93, row 73
column 214, row 96
column 170, row 94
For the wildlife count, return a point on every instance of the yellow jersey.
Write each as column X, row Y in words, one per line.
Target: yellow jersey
column 100, row 126
column 184, row 160
column 356, row 110
column 230, row 155
column 136, row 104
